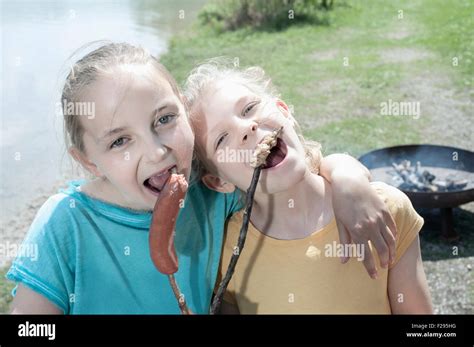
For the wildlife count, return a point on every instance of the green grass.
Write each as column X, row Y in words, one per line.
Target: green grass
column 450, row 27
column 5, row 291
column 378, row 132
column 340, row 105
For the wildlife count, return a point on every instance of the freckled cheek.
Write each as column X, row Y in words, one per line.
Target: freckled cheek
column 120, row 168
column 183, row 143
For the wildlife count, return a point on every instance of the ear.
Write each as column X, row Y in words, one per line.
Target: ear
column 81, row 158
column 285, row 110
column 183, row 101
column 215, row 183
column 282, row 105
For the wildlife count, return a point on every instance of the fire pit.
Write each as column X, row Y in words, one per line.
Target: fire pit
column 432, row 176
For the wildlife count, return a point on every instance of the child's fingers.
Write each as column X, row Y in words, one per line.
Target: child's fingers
column 359, row 238
column 381, row 247
column 369, row 261
column 344, row 238
column 389, row 240
column 390, row 222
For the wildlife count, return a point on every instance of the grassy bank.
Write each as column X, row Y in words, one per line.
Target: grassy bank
column 339, row 104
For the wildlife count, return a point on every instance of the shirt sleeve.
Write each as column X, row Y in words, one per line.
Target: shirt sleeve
column 44, row 262
column 235, row 202
column 407, row 220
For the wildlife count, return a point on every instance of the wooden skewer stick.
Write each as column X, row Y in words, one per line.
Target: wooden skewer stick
column 174, row 285
column 260, row 155
column 179, row 296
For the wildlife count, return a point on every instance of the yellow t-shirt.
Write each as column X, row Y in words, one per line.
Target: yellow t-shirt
column 306, row 275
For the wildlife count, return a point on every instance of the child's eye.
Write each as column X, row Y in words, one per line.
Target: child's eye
column 119, row 142
column 165, row 119
column 249, row 108
column 220, row 140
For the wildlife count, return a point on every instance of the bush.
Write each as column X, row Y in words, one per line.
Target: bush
column 271, row 14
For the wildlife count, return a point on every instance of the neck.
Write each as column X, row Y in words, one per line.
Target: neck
column 294, row 213
column 101, row 189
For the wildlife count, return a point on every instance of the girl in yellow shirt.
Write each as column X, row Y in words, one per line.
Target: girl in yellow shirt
column 290, row 263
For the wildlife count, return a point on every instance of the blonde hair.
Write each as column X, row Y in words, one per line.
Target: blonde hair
column 90, row 67
column 255, row 80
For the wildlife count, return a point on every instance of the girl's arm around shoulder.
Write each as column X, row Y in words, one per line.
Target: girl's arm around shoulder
column 361, row 215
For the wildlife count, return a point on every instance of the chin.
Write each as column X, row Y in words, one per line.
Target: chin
column 272, row 182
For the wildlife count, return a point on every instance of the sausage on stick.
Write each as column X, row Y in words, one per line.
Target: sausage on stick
column 161, row 237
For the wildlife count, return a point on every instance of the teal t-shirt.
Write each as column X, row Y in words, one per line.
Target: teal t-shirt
column 93, row 257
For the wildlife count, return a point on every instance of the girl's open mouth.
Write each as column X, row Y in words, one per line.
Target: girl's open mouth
column 157, row 181
column 277, row 155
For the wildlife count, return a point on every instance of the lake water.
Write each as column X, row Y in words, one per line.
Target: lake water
column 37, row 39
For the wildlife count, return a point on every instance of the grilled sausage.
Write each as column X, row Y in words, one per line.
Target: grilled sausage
column 165, row 213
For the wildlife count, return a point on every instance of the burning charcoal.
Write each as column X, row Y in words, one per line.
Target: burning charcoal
column 455, row 185
column 414, row 178
column 417, row 178
column 418, row 167
column 429, row 177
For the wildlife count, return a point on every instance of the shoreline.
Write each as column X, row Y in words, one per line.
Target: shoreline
column 15, row 227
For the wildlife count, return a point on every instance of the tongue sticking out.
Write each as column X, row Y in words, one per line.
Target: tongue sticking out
column 158, row 181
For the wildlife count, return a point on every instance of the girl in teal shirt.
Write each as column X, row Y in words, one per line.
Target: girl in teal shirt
column 92, row 238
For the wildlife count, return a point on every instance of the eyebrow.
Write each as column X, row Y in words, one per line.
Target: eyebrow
column 241, row 103
column 111, row 132
column 164, row 106
column 114, row 131
column 237, row 109
column 238, row 106
column 212, row 142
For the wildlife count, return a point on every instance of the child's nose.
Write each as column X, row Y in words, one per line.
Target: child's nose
column 249, row 131
column 156, row 153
